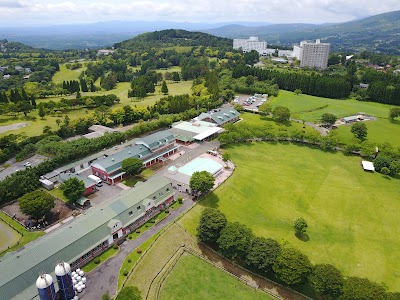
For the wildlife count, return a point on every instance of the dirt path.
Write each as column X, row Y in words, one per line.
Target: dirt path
column 13, row 127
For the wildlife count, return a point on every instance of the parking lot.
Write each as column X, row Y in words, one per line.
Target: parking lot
column 103, row 193
column 251, row 102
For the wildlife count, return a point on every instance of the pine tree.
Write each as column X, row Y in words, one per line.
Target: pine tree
column 164, row 88
column 33, row 101
column 24, row 96
column 42, row 113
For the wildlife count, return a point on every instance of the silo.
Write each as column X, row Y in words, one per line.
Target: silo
column 45, row 287
column 63, row 273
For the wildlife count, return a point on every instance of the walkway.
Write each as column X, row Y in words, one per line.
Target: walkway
column 321, row 130
column 105, row 277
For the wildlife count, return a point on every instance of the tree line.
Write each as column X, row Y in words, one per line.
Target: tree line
column 336, row 87
column 289, row 266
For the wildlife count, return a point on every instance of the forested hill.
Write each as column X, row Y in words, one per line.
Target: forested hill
column 378, row 33
column 174, row 37
column 6, row 46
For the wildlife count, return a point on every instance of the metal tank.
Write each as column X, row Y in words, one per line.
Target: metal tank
column 64, row 279
column 45, row 287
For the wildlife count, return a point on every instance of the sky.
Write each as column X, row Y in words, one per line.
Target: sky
column 25, row 12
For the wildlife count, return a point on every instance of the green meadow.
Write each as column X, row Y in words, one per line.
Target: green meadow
column 352, row 214
column 195, row 279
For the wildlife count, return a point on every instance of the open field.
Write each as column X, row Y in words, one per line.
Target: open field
column 36, row 124
column 352, row 214
column 66, row 74
column 310, row 108
column 192, row 279
column 8, row 236
column 27, row 236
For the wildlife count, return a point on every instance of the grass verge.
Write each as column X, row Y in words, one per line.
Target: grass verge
column 103, row 257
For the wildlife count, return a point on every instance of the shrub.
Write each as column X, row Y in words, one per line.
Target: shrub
column 180, row 200
column 125, row 273
column 139, row 251
column 96, row 260
column 137, row 231
column 115, row 246
column 129, row 237
column 129, row 260
column 167, row 211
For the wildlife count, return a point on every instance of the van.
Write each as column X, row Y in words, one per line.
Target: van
column 96, row 179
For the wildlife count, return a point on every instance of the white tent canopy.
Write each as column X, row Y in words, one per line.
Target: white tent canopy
column 367, row 165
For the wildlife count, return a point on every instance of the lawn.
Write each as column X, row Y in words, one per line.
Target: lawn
column 8, row 236
column 194, row 279
column 58, row 193
column 36, row 124
column 103, row 258
column 66, row 74
column 352, row 215
column 132, row 180
column 311, row 108
column 27, row 236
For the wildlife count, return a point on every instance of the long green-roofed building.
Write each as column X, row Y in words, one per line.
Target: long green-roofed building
column 82, row 239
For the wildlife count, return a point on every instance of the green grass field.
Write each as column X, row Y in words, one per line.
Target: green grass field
column 66, row 74
column 193, row 278
column 103, row 258
column 8, row 236
column 352, row 215
column 310, row 108
column 27, row 236
column 36, row 124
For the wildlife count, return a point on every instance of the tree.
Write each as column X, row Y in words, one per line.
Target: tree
column 164, row 88
column 281, row 114
column 36, row 204
column 234, row 240
column 212, row 221
column 385, row 171
column 73, row 188
column 265, row 109
column 176, row 77
column 132, row 166
column 326, row 280
column 25, row 107
column 42, row 113
column 292, row 266
column 359, row 130
column 250, row 80
column 355, row 288
column 102, row 113
column 297, row 92
column 201, row 182
column 262, row 254
column 394, row 112
column 129, row 293
column 300, row 226
column 226, row 156
column 328, row 119
column 58, row 121
column 106, row 296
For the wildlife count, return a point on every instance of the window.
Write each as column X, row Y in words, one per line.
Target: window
column 154, row 197
column 131, row 213
column 139, row 208
column 167, row 189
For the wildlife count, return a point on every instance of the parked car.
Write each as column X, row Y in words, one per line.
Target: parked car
column 27, row 164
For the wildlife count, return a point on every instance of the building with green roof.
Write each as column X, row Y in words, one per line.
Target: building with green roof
column 220, row 116
column 150, row 149
column 85, row 237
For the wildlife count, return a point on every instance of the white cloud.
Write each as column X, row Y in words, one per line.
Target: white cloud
column 211, row 11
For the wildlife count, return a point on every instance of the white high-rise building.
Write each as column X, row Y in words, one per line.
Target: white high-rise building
column 250, row 44
column 314, row 55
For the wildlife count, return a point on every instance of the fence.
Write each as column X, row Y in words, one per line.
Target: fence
column 15, row 244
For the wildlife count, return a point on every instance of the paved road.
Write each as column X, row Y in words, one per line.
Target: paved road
column 105, row 277
column 15, row 166
column 321, row 130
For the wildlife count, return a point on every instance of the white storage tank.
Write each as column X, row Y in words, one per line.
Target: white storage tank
column 45, row 287
column 65, row 282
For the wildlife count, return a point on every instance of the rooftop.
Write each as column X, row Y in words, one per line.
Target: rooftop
column 88, row 183
column 19, row 270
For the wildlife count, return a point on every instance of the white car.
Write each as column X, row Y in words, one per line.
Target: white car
column 27, row 164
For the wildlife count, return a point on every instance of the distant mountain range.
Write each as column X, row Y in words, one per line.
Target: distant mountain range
column 96, row 35
column 380, row 33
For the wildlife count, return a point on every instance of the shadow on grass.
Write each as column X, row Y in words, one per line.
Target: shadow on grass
column 396, row 122
column 210, row 200
column 304, row 237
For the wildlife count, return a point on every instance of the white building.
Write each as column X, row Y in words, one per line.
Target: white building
column 312, row 54
column 250, row 44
